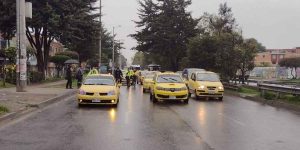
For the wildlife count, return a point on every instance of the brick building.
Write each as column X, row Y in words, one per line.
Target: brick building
column 272, row 57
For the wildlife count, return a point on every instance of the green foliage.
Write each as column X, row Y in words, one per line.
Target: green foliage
column 166, row 27
column 250, row 91
column 220, row 47
column 269, row 96
column 11, row 54
column 292, row 63
column 70, row 54
column 8, row 18
column 35, row 76
column 59, row 61
column 3, row 109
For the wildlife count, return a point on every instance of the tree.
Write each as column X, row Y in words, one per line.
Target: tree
column 292, row 63
column 247, row 52
column 54, row 20
column 166, row 29
column 202, row 52
column 7, row 19
column 71, row 54
column 59, row 61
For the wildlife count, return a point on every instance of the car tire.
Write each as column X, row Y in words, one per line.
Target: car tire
column 116, row 105
column 220, row 98
column 154, row 100
column 190, row 95
column 144, row 90
column 186, row 101
column 196, row 97
column 79, row 105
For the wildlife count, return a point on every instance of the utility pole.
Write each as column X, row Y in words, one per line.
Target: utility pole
column 113, row 51
column 21, row 47
column 24, row 9
column 100, row 37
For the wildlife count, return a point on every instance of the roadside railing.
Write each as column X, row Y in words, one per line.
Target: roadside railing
column 231, row 86
column 278, row 89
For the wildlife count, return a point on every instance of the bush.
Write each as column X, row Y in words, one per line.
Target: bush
column 10, row 71
column 71, row 54
column 269, row 96
column 35, row 76
column 3, row 109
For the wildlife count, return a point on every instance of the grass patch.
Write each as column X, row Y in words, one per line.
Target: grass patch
column 291, row 99
column 3, row 110
column 7, row 85
column 249, row 91
column 269, row 95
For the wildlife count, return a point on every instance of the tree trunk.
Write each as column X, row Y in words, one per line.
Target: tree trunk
column 292, row 73
column 296, row 73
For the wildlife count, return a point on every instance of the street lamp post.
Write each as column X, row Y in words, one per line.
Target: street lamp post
column 100, row 36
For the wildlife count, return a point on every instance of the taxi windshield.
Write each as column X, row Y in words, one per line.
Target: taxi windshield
column 208, row 77
column 101, row 80
column 149, row 76
column 169, row 79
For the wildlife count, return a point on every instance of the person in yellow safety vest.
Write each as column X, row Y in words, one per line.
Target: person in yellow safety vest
column 129, row 75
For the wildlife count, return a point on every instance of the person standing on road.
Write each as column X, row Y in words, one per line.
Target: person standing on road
column 69, row 77
column 79, row 76
column 129, row 75
column 118, row 75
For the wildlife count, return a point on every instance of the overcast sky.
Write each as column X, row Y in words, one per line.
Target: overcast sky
column 274, row 23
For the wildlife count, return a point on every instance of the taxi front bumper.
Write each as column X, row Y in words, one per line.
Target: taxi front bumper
column 168, row 95
column 100, row 100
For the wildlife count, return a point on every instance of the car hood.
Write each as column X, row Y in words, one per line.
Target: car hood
column 97, row 88
column 148, row 80
column 171, row 85
column 208, row 83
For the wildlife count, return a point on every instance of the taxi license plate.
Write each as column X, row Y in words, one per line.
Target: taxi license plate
column 172, row 97
column 211, row 92
column 96, row 101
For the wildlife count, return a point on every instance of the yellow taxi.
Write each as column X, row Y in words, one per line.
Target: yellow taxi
column 148, row 82
column 100, row 89
column 168, row 86
column 206, row 84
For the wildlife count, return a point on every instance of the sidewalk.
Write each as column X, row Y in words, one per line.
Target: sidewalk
column 36, row 96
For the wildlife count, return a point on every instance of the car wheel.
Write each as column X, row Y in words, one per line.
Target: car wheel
column 220, row 98
column 144, row 90
column 189, row 94
column 196, row 96
column 154, row 100
column 186, row 101
column 79, row 105
column 116, row 105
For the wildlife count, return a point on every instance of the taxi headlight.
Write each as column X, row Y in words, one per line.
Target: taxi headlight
column 82, row 92
column 221, row 88
column 110, row 93
column 159, row 88
column 202, row 87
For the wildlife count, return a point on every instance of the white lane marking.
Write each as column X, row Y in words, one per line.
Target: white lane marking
column 233, row 120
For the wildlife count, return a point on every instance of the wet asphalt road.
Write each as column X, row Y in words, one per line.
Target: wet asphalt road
column 137, row 124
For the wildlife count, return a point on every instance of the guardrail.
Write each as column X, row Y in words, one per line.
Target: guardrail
column 279, row 89
column 231, row 86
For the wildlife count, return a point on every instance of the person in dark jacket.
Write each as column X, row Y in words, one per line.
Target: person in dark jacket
column 79, row 76
column 118, row 75
column 69, row 77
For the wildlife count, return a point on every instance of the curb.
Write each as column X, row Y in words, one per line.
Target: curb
column 32, row 108
column 274, row 103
